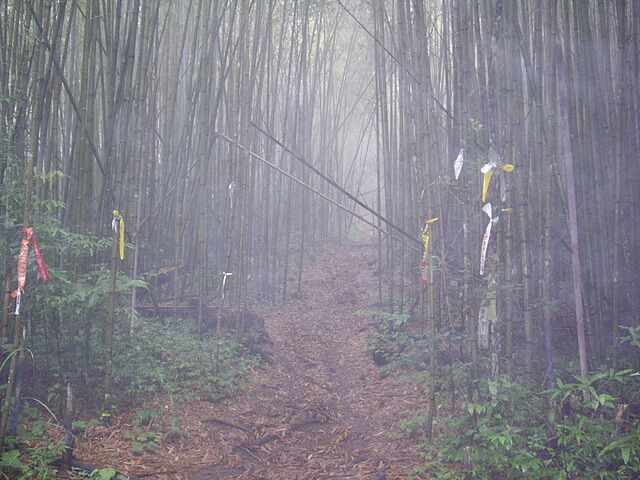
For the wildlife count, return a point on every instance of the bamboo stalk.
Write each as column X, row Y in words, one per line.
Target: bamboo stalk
column 310, row 188
column 338, row 187
column 565, row 134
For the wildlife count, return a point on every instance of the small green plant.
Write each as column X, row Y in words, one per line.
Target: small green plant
column 396, row 343
column 11, row 459
column 34, row 466
column 389, row 338
column 35, row 462
column 37, row 448
column 142, row 436
column 634, row 336
column 142, row 439
column 83, row 424
column 414, row 424
column 501, row 432
column 107, row 473
column 589, row 437
column 81, row 427
column 145, row 416
column 104, row 473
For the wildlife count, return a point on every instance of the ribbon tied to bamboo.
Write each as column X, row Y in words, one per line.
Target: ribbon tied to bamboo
column 488, row 169
column 117, row 224
column 23, row 261
column 487, row 234
column 424, row 270
column 457, row 166
column 224, row 281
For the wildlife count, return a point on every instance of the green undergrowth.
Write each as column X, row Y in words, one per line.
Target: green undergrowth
column 28, row 454
column 397, row 344
column 491, row 426
column 169, row 358
column 163, row 359
column 508, row 429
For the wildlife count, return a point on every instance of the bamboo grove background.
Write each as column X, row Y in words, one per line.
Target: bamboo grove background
column 164, row 111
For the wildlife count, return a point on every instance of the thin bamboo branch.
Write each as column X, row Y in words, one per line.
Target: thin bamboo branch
column 310, row 188
column 334, row 184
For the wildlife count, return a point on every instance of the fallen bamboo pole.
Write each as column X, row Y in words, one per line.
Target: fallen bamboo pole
column 314, row 190
column 334, row 184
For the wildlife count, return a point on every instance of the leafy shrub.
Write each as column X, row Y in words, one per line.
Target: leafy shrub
column 588, row 435
column 33, row 460
column 169, row 358
column 508, row 430
column 499, row 431
column 389, row 338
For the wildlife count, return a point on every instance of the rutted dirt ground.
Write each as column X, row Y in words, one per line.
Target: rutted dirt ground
column 318, row 410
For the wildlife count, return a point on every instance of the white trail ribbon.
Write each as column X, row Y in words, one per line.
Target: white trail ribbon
column 224, row 281
column 487, row 316
column 457, row 166
column 18, row 296
column 483, row 327
column 487, row 234
column 117, row 224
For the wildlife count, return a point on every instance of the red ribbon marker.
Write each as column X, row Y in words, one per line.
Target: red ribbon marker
column 43, row 271
column 23, row 261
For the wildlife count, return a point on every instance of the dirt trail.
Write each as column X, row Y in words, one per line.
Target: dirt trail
column 319, row 410
column 321, row 405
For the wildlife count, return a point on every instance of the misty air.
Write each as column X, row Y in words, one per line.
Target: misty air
column 320, row 239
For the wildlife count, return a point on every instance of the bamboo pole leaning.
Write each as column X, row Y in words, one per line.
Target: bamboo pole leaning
column 316, row 191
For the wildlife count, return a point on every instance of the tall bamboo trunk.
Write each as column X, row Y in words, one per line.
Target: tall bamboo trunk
column 565, row 135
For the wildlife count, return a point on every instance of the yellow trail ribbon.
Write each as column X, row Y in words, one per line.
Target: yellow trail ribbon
column 118, row 226
column 486, row 179
column 425, row 233
column 424, row 265
column 487, row 171
column 424, row 271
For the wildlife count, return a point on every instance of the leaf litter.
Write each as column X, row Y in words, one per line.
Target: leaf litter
column 319, row 409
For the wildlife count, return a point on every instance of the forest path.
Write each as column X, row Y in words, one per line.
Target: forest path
column 319, row 409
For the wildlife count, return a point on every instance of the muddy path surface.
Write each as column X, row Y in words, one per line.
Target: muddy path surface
column 318, row 409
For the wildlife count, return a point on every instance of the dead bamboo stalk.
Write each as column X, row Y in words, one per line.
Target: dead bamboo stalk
column 309, row 187
column 334, row 184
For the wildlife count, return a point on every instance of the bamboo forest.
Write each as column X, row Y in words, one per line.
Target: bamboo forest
column 320, row 239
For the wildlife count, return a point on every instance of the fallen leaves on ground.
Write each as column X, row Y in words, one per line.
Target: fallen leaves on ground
column 319, row 409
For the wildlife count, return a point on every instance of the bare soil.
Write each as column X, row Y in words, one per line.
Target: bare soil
column 318, row 409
